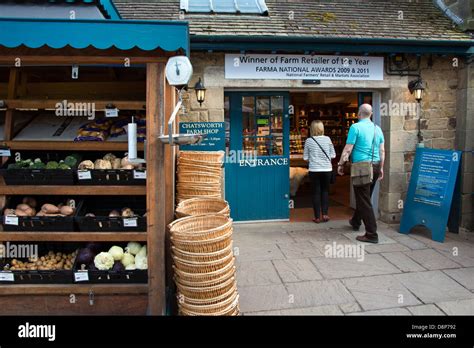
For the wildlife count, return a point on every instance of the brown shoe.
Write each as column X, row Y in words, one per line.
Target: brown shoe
column 316, row 220
column 366, row 239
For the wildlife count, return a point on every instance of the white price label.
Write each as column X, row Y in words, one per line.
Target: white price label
column 82, row 276
column 84, row 175
column 11, row 220
column 111, row 112
column 130, row 222
column 139, row 174
column 7, row 276
column 5, row 152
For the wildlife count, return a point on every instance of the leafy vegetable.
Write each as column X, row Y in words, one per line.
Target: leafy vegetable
column 116, row 252
column 133, row 248
column 52, row 165
column 128, row 259
column 104, row 261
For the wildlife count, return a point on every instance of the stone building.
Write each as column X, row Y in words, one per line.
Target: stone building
column 418, row 38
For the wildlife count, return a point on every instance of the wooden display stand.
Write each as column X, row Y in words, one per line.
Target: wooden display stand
column 121, row 299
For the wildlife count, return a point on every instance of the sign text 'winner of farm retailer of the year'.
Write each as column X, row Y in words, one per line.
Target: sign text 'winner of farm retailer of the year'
column 288, row 67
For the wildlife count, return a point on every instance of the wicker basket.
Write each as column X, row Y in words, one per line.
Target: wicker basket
column 205, row 169
column 212, row 294
column 206, row 156
column 202, row 267
column 182, row 197
column 204, row 246
column 199, row 206
column 206, row 279
column 203, row 228
column 201, row 257
column 198, row 177
column 222, row 308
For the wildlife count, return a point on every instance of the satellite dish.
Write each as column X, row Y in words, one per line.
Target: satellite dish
column 179, row 71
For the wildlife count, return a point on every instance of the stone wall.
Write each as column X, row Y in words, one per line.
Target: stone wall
column 440, row 112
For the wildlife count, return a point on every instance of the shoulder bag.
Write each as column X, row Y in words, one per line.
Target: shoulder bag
column 334, row 171
column 362, row 173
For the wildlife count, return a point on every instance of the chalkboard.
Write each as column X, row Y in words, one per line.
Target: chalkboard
column 431, row 189
column 214, row 131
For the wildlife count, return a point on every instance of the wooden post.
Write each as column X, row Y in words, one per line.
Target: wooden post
column 156, row 192
column 11, row 94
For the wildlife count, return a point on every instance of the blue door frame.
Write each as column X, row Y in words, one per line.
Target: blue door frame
column 258, row 189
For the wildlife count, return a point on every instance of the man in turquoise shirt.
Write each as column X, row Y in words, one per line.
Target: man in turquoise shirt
column 365, row 143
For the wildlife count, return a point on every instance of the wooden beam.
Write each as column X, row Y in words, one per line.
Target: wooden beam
column 52, row 289
column 82, row 190
column 71, row 145
column 58, row 60
column 73, row 236
column 156, row 196
column 51, row 103
column 11, row 94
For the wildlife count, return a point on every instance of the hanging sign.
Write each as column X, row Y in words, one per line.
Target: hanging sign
column 214, row 131
column 430, row 192
column 302, row 67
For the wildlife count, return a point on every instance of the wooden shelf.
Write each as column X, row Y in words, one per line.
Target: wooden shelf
column 70, row 145
column 51, row 104
column 81, row 190
column 54, row 289
column 73, row 236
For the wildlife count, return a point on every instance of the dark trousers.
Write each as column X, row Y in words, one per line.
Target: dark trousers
column 364, row 210
column 320, row 182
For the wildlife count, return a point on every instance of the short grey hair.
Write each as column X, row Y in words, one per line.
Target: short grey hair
column 365, row 110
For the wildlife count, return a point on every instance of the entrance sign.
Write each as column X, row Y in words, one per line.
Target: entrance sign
column 430, row 192
column 302, row 67
column 214, row 131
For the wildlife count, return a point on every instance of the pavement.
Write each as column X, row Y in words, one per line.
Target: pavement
column 320, row 269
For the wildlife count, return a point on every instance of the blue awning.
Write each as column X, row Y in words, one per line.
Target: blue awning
column 168, row 36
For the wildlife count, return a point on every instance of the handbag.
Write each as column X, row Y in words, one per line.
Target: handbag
column 334, row 171
column 362, row 173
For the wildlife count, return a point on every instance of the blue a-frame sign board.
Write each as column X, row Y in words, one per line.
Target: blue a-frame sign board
column 431, row 190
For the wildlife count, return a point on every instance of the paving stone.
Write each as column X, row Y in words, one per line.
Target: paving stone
column 296, row 270
column 299, row 250
column 263, row 298
column 383, row 239
column 379, row 292
column 251, row 273
column 320, row 235
column 372, row 264
column 429, row 309
column 463, row 255
column 433, row 286
column 350, row 307
column 459, row 307
column 385, row 248
column 391, row 311
column 262, row 237
column 255, row 252
column 431, row 259
column 320, row 310
column 403, row 262
column 409, row 242
column 317, row 293
column 464, row 276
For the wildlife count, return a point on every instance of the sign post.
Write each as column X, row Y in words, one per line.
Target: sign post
column 431, row 190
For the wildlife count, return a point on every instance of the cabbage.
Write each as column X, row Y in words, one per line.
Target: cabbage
column 131, row 267
column 104, row 261
column 142, row 251
column 141, row 262
column 133, row 248
column 128, row 259
column 116, row 252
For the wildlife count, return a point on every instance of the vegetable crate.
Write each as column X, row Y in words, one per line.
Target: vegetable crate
column 111, row 177
column 101, row 221
column 99, row 277
column 36, row 277
column 12, row 223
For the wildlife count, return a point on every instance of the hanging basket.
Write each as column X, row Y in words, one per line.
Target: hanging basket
column 198, row 206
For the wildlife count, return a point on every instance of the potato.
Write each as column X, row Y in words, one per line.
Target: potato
column 23, row 207
column 19, row 212
column 50, row 209
column 40, row 213
column 66, row 210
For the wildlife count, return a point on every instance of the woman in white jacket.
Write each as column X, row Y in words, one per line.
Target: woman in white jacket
column 319, row 150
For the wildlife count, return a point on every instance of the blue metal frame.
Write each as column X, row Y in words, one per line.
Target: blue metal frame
column 169, row 36
column 261, row 192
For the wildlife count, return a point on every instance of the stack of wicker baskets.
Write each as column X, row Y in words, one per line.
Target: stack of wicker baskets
column 199, row 174
column 203, row 258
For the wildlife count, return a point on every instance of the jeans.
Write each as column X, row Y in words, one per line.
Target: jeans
column 320, row 182
column 364, row 210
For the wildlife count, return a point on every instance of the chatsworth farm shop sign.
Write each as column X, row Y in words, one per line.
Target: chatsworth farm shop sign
column 302, row 67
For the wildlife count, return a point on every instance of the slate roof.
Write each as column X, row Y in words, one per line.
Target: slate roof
column 366, row 19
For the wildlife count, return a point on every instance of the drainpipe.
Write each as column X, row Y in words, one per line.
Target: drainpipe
column 447, row 12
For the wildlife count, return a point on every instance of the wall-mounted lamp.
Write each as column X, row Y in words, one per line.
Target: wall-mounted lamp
column 417, row 88
column 200, row 92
